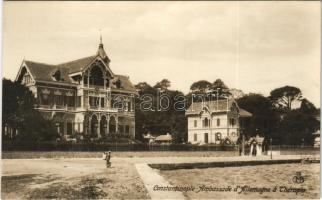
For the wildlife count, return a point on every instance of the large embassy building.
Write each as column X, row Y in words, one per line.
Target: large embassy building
column 83, row 96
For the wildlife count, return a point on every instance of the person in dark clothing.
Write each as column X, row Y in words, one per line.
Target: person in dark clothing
column 108, row 158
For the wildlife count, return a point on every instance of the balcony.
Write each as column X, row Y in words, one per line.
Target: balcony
column 56, row 107
column 99, row 108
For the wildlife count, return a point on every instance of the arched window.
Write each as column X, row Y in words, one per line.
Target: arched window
column 206, row 122
column 218, row 122
column 218, row 136
column 96, row 76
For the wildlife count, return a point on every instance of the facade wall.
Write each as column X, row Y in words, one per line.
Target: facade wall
column 72, row 110
column 221, row 125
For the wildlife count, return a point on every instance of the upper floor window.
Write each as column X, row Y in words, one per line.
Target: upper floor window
column 218, row 122
column 44, row 97
column 206, row 122
column 96, row 76
column 57, row 75
column 195, row 123
column 26, row 79
column 94, row 101
column 70, row 101
column 232, row 122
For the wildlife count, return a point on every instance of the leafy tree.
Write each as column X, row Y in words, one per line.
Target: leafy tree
column 283, row 97
column 296, row 128
column 164, row 84
column 220, row 88
column 202, row 86
column 264, row 118
column 158, row 121
column 308, row 108
column 219, row 84
column 143, row 86
column 19, row 113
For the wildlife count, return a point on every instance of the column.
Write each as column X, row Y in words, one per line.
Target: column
column 89, row 125
column 81, row 125
column 107, row 131
column 99, row 126
column 88, row 79
column 117, row 125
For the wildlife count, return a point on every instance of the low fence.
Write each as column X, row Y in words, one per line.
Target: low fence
column 55, row 146
column 296, row 150
column 59, row 146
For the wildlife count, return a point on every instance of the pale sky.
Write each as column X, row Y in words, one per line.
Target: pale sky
column 252, row 46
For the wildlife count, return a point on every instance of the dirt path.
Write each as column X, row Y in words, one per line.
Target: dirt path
column 70, row 179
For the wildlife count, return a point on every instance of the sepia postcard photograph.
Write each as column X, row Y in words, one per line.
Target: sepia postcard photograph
column 160, row 100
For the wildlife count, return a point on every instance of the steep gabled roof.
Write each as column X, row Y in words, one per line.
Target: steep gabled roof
column 125, row 83
column 79, row 64
column 196, row 107
column 44, row 72
column 223, row 105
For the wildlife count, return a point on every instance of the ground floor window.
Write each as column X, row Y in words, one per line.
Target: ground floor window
column 206, row 137
column 127, row 129
column 69, row 128
column 218, row 136
column 195, row 137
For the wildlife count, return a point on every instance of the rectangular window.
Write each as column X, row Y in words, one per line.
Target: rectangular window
column 121, row 129
column 78, row 101
column 232, row 121
column 129, row 106
column 127, row 129
column 70, row 101
column 93, row 101
column 206, row 137
column 195, row 123
column 69, row 128
column 59, row 100
column 195, row 137
column 45, row 99
column 102, row 102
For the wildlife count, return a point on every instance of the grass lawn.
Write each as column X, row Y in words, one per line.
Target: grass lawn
column 253, row 176
column 83, row 154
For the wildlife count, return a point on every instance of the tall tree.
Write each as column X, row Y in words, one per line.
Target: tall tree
column 164, row 84
column 220, row 88
column 19, row 113
column 264, row 118
column 158, row 121
column 296, row 128
column 200, row 86
column 308, row 107
column 283, row 97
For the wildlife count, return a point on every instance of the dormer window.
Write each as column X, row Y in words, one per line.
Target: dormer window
column 118, row 83
column 57, row 75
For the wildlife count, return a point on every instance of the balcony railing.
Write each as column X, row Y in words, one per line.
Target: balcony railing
column 55, row 107
column 99, row 108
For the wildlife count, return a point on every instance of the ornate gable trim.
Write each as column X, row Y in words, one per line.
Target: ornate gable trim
column 24, row 65
column 98, row 58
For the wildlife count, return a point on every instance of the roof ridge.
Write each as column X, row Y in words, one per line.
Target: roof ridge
column 76, row 60
column 60, row 64
column 40, row 63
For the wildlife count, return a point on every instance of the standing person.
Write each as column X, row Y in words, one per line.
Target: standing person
column 108, row 158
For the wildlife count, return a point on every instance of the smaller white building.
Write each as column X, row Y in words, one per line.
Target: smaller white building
column 214, row 121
